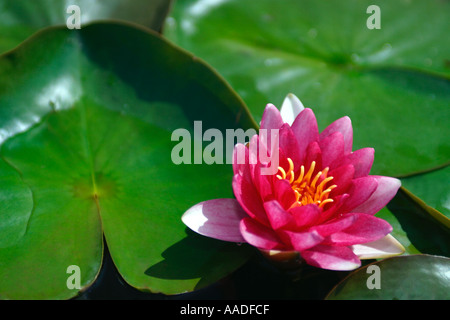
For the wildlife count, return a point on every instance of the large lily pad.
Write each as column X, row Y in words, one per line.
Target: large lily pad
column 432, row 188
column 393, row 82
column 86, row 122
column 416, row 277
column 16, row 205
column 20, row 19
column 418, row 227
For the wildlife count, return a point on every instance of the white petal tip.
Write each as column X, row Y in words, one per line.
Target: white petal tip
column 383, row 248
column 217, row 218
column 290, row 108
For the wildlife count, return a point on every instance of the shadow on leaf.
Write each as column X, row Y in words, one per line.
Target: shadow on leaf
column 199, row 257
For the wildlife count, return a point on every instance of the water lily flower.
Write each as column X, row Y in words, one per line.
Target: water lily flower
column 319, row 205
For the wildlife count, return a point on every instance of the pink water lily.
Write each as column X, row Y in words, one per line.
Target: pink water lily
column 320, row 203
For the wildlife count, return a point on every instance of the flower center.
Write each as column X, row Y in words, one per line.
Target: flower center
column 308, row 189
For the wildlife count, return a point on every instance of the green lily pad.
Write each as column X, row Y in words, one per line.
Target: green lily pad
column 393, row 82
column 86, row 122
column 16, row 205
column 416, row 225
column 432, row 188
column 415, row 277
column 20, row 19
column 398, row 232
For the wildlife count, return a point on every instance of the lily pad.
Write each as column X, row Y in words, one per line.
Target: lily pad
column 393, row 82
column 20, row 19
column 432, row 188
column 415, row 277
column 86, row 123
column 417, row 226
column 16, row 205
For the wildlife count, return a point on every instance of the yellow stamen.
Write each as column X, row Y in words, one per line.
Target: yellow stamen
column 310, row 171
column 291, row 164
column 300, row 177
column 326, row 192
column 297, row 195
column 323, row 203
column 313, row 183
column 291, row 178
column 305, row 189
column 282, row 172
column 323, row 183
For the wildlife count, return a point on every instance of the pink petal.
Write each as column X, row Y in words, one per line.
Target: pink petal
column 241, row 160
column 262, row 183
column 313, row 153
column 260, row 156
column 284, row 193
column 301, row 240
column 282, row 161
column 305, row 130
column 254, row 163
column 249, row 199
column 288, row 143
column 387, row 188
column 259, row 236
column 344, row 126
column 305, row 215
column 365, row 228
column 332, row 148
column 253, row 150
column 335, row 225
column 360, row 190
column 271, row 120
column 218, row 219
column 361, row 160
column 278, row 217
column 333, row 208
column 342, row 178
column 332, row 258
column 269, row 143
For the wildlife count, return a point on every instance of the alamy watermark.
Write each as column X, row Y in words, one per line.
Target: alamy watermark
column 373, row 281
column 74, row 20
column 74, row 280
column 374, row 20
column 213, row 153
